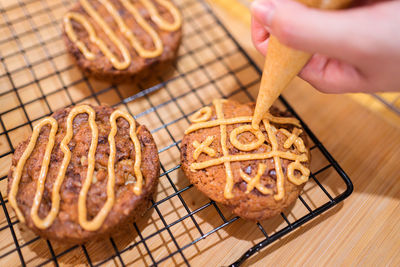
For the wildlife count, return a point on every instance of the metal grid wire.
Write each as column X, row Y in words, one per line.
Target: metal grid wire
column 37, row 77
column 392, row 104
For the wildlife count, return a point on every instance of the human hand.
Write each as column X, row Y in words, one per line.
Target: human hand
column 355, row 50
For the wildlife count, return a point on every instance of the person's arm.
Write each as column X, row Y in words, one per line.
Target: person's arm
column 355, row 50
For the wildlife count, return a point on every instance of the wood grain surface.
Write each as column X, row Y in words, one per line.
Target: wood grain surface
column 363, row 230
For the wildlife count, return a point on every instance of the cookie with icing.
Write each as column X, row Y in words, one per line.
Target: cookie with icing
column 118, row 40
column 84, row 172
column 256, row 173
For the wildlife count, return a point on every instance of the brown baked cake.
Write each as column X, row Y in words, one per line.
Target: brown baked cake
column 118, row 40
column 256, row 173
column 67, row 186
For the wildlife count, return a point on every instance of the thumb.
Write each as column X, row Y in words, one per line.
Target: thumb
column 330, row 75
column 316, row 31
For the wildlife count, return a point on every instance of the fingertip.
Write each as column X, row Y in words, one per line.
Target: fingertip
column 263, row 11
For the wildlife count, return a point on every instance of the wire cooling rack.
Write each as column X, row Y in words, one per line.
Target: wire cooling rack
column 37, row 77
column 393, row 103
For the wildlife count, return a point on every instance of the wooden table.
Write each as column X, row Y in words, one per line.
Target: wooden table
column 365, row 229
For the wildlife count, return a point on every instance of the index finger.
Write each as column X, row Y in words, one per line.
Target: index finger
column 259, row 36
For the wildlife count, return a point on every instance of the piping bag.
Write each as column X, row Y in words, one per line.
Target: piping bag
column 283, row 63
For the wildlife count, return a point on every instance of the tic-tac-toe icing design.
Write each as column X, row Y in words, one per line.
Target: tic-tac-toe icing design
column 201, row 120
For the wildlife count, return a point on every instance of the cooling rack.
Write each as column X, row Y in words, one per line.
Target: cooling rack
column 37, row 77
column 393, row 103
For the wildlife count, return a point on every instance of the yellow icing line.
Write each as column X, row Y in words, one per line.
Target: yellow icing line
column 277, row 161
column 145, row 25
column 120, row 65
column 237, row 120
column 246, row 147
column 201, row 115
column 305, row 173
column 88, row 27
column 142, row 52
column 203, row 147
column 293, row 138
column 91, row 159
column 255, row 182
column 108, row 31
column 245, row 157
column 229, row 176
column 160, row 21
column 217, row 122
column 82, row 209
column 138, row 153
column 282, row 120
column 43, row 171
column 55, row 195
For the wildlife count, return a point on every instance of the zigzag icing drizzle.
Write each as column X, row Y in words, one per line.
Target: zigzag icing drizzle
column 125, row 30
column 98, row 220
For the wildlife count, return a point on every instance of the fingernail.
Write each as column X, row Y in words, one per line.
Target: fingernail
column 263, row 11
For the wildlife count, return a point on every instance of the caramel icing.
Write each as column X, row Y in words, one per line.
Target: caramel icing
column 293, row 138
column 201, row 115
column 277, row 161
column 159, row 20
column 243, row 119
column 250, row 146
column 43, row 171
column 244, row 157
column 120, row 65
column 203, row 147
column 201, row 121
column 229, row 175
column 281, row 120
column 305, row 173
column 123, row 28
column 135, row 140
column 98, row 220
column 255, row 182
